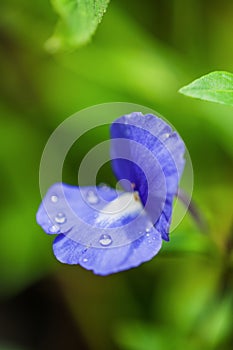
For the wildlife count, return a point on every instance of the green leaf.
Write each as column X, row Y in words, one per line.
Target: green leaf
column 214, row 87
column 78, row 22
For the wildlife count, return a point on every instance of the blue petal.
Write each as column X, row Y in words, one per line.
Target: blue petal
column 110, row 260
column 101, row 229
column 76, row 205
column 108, row 231
column 149, row 154
column 87, row 214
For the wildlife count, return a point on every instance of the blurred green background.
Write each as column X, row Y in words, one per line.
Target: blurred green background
column 142, row 52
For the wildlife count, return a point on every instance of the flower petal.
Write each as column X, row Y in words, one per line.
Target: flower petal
column 75, row 204
column 108, row 260
column 149, row 154
column 105, row 230
column 93, row 216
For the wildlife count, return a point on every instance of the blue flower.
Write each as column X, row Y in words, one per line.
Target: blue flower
column 108, row 231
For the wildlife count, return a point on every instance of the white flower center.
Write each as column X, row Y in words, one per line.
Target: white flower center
column 126, row 205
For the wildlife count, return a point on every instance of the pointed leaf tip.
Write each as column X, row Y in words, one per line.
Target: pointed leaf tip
column 214, row 87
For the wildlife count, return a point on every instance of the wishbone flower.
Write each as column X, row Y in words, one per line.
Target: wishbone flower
column 108, row 231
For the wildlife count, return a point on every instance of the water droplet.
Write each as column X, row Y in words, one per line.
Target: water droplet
column 60, row 218
column 85, row 260
column 54, row 229
column 92, row 197
column 165, row 136
column 147, row 235
column 105, row 240
column 54, row 198
column 103, row 186
column 148, row 229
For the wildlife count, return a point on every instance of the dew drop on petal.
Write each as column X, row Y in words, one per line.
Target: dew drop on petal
column 105, row 240
column 85, row 260
column 103, row 186
column 54, row 229
column 165, row 136
column 147, row 235
column 60, row 218
column 148, row 229
column 54, row 198
column 92, row 197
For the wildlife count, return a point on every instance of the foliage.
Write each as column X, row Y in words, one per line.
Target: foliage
column 215, row 87
column 78, row 22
